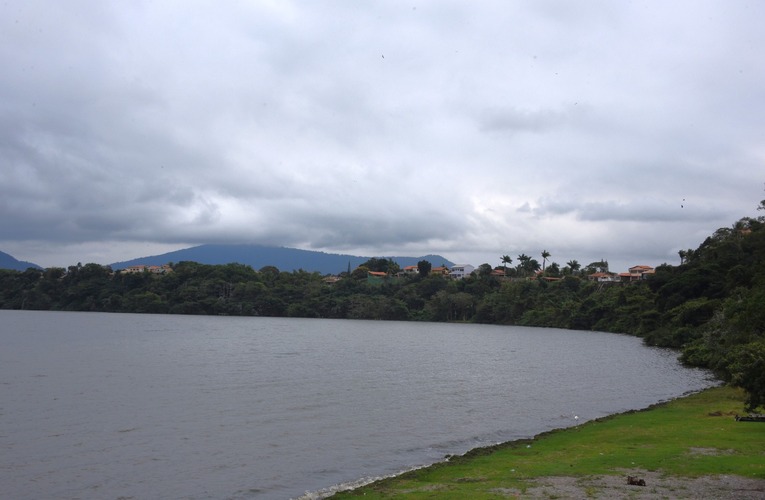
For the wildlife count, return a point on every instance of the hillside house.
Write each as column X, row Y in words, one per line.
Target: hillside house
column 376, row 277
column 637, row 273
column 443, row 271
column 142, row 268
column 410, row 271
column 460, row 271
column 602, row 277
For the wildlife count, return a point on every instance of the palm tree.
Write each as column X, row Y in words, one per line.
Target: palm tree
column 523, row 264
column 533, row 266
column 574, row 265
column 553, row 270
column 545, row 255
column 505, row 261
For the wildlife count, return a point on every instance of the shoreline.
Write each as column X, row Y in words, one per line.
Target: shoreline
column 565, row 485
column 473, row 452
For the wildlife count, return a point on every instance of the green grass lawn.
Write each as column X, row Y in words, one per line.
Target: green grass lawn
column 690, row 437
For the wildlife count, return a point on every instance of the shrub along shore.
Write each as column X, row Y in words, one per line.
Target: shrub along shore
column 691, row 447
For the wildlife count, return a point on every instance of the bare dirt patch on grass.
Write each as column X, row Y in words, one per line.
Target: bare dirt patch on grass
column 657, row 486
column 710, row 452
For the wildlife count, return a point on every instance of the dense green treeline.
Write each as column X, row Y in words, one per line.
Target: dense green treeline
column 712, row 306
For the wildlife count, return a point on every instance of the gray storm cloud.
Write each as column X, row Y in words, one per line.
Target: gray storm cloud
column 474, row 130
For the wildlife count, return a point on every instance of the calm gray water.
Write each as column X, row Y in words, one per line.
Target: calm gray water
column 185, row 407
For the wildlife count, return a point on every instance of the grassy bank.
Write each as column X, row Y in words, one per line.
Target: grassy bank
column 693, row 437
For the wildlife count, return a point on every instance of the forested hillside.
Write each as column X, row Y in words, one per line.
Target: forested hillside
column 257, row 256
column 712, row 306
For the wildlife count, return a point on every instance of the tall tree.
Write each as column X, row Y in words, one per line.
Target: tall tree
column 545, row 256
column 523, row 264
column 484, row 270
column 382, row 265
column 533, row 266
column 574, row 265
column 553, row 270
column 423, row 268
column 505, row 261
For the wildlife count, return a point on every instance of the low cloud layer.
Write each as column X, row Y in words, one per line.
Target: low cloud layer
column 624, row 131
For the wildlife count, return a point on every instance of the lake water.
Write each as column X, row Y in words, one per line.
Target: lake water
column 194, row 407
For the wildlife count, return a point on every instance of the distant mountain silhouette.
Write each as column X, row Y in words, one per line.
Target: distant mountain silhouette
column 9, row 262
column 284, row 259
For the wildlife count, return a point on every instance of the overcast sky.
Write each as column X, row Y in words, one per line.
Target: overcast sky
column 623, row 131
